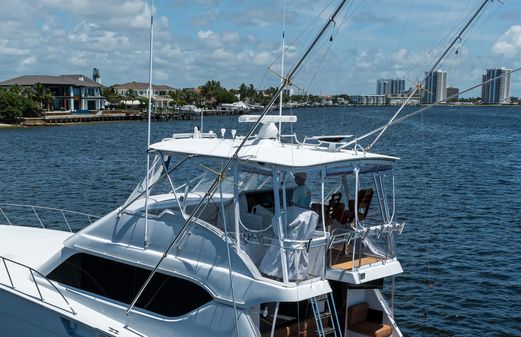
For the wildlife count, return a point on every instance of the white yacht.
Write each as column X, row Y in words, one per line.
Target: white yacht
column 190, row 110
column 229, row 253
column 260, row 234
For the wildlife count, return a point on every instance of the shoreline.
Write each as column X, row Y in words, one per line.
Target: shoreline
column 10, row 126
column 91, row 119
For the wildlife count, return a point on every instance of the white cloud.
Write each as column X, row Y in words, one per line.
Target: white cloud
column 204, row 35
column 11, row 51
column 221, row 55
column 509, row 44
column 28, row 61
column 234, row 41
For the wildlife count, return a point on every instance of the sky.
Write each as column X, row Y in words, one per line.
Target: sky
column 238, row 42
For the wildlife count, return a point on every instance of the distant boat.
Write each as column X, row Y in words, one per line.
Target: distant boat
column 190, row 109
column 236, row 107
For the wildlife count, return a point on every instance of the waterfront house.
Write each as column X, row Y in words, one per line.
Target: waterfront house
column 71, row 92
column 160, row 92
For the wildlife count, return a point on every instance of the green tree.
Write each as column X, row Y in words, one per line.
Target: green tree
column 178, row 97
column 225, row 96
column 131, row 95
column 17, row 89
column 112, row 96
column 210, row 90
column 42, row 96
column 11, row 106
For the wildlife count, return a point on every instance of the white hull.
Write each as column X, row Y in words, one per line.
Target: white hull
column 23, row 317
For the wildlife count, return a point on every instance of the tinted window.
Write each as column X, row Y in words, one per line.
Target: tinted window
column 165, row 295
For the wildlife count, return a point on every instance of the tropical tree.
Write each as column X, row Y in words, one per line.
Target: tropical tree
column 225, row 96
column 178, row 97
column 143, row 102
column 10, row 106
column 131, row 95
column 210, row 90
column 17, row 89
column 42, row 96
column 111, row 95
column 13, row 106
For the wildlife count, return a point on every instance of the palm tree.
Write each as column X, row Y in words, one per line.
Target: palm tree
column 111, row 95
column 210, row 91
column 178, row 97
column 131, row 95
column 42, row 96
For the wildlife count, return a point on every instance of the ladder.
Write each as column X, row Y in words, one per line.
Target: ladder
column 324, row 308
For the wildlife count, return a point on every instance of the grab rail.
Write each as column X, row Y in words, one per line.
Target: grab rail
column 37, row 211
column 351, row 238
column 32, row 272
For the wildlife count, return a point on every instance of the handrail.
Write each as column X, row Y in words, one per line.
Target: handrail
column 63, row 212
column 40, row 296
column 346, row 236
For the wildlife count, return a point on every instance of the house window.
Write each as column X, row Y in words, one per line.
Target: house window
column 165, row 295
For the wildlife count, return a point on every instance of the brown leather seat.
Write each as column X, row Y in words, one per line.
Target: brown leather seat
column 357, row 320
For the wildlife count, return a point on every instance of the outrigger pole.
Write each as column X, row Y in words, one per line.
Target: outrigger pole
column 235, row 156
column 436, row 64
column 146, row 241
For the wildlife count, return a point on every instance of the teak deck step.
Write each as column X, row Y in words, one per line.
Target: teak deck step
column 349, row 264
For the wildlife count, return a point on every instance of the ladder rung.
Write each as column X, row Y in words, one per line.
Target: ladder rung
column 327, row 331
column 325, row 314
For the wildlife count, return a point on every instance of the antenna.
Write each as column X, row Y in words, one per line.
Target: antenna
column 146, row 242
column 282, row 62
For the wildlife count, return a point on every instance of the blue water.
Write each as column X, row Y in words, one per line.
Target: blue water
column 458, row 188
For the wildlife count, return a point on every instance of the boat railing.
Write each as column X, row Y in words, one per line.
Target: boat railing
column 305, row 259
column 44, row 217
column 354, row 249
column 30, row 282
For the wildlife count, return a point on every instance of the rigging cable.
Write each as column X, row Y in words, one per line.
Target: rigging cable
column 402, row 34
column 227, row 239
column 333, row 36
column 436, row 64
column 401, row 119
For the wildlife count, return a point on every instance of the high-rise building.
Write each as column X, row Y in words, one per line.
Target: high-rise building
column 390, row 86
column 453, row 92
column 435, row 86
column 498, row 90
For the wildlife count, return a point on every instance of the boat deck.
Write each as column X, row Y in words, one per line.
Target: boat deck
column 348, row 265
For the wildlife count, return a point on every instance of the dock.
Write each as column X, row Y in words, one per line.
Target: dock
column 65, row 117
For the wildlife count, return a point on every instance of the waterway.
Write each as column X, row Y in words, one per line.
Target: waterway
column 458, row 189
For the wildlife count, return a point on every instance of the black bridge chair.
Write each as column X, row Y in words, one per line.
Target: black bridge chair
column 364, row 201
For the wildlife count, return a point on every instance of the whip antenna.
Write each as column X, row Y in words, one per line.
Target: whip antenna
column 146, row 242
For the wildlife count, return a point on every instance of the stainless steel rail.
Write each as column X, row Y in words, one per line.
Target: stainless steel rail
column 36, row 278
column 61, row 219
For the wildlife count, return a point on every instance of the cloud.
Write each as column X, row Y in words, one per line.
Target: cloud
column 234, row 41
column 509, row 44
column 11, row 51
